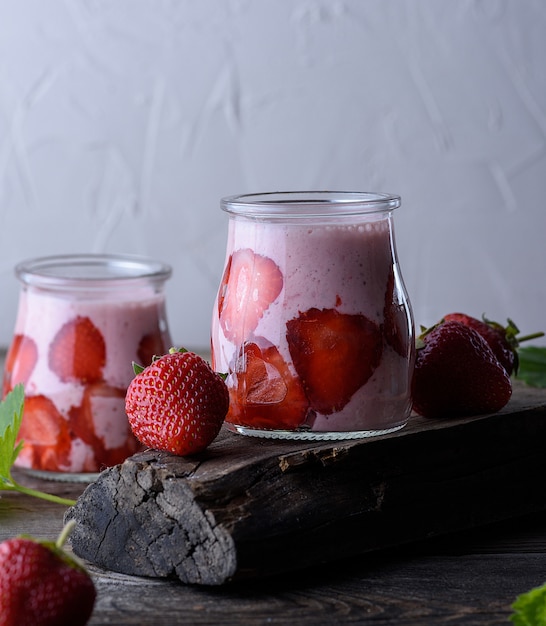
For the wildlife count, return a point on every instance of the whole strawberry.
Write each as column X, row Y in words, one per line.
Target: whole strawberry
column 503, row 340
column 42, row 585
column 177, row 403
column 457, row 374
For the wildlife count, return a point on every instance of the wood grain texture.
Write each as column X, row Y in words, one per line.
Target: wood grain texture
column 468, row 578
column 249, row 508
column 465, row 578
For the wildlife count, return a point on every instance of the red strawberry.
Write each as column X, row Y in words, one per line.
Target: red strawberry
column 46, row 436
column 457, row 374
column 20, row 362
column 177, row 403
column 266, row 394
column 78, row 351
column 43, row 585
column 251, row 282
column 503, row 340
column 334, row 355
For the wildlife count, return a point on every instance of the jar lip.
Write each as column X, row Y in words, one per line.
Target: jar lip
column 309, row 203
column 90, row 270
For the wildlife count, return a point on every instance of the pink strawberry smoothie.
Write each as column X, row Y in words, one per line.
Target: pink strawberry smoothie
column 345, row 265
column 91, row 413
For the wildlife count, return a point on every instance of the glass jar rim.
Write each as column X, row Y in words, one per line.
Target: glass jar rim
column 308, row 204
column 88, row 271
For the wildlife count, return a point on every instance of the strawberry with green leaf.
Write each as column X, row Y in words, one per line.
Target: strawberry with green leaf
column 457, row 374
column 503, row 340
column 177, row 403
column 41, row 584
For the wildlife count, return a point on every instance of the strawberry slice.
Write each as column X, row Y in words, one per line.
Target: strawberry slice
column 78, row 351
column 46, row 436
column 251, row 282
column 151, row 345
column 334, row 355
column 100, row 422
column 266, row 393
column 20, row 362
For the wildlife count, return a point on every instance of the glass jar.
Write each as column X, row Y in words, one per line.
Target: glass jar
column 82, row 320
column 312, row 322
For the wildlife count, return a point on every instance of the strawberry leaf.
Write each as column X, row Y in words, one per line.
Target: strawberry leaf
column 530, row 608
column 532, row 366
column 11, row 415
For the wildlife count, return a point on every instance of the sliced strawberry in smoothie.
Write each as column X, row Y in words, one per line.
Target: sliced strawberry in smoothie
column 46, row 436
column 151, row 345
column 334, row 355
column 266, row 394
column 251, row 282
column 78, row 351
column 100, row 421
column 20, row 362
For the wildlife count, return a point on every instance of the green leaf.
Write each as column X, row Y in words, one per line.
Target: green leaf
column 532, row 365
column 137, row 368
column 11, row 414
column 530, row 608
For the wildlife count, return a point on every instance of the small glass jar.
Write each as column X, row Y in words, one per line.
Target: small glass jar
column 82, row 320
column 312, row 322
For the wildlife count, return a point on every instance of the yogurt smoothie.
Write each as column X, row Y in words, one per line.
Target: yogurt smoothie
column 74, row 354
column 313, row 326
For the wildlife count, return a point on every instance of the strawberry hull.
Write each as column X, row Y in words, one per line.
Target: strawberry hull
column 74, row 420
column 340, row 324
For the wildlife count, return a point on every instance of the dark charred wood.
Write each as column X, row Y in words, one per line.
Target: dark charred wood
column 248, row 508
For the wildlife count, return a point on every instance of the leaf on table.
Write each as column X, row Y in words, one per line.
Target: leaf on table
column 11, row 415
column 530, row 608
column 532, row 365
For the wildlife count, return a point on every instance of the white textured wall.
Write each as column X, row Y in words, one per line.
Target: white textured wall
column 123, row 122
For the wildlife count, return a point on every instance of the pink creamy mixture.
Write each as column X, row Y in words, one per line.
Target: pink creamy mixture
column 93, row 430
column 329, row 266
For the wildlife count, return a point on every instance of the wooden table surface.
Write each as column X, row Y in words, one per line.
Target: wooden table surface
column 468, row 578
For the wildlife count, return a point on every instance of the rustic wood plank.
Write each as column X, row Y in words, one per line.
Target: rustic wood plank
column 248, row 508
column 444, row 580
column 467, row 578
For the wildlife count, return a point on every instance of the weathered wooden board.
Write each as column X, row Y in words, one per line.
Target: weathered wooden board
column 251, row 507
